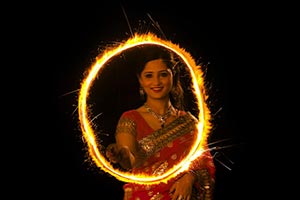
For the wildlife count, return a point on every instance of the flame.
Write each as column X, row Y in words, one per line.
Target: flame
column 199, row 90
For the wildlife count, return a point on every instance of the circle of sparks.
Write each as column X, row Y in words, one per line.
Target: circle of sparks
column 203, row 125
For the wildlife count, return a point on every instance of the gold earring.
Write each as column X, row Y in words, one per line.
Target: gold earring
column 142, row 92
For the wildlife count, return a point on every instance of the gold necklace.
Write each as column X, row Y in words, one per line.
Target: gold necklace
column 161, row 118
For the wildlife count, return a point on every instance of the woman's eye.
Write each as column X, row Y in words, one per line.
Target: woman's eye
column 148, row 75
column 164, row 74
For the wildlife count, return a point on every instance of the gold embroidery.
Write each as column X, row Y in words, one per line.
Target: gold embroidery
column 157, row 196
column 148, row 187
column 160, row 138
column 128, row 193
column 126, row 125
column 170, row 144
column 160, row 169
column 150, row 193
column 174, row 157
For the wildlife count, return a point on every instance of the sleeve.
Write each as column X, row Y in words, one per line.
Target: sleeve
column 126, row 125
column 126, row 133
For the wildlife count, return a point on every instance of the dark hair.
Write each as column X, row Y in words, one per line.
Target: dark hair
column 147, row 53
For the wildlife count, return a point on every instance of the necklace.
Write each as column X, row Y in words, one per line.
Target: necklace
column 161, row 118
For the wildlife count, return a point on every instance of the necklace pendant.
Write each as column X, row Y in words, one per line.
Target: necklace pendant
column 162, row 121
column 161, row 118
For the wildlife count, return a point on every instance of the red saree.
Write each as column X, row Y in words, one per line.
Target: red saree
column 165, row 148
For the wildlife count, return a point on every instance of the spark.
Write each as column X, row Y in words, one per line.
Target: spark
column 126, row 17
column 96, row 117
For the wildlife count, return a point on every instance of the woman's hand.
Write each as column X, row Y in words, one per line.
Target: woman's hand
column 112, row 153
column 182, row 188
column 121, row 155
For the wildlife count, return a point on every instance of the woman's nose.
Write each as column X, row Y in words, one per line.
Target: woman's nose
column 157, row 80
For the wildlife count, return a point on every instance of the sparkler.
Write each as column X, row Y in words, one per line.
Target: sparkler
column 203, row 127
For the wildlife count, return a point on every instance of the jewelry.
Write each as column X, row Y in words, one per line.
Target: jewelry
column 142, row 92
column 161, row 118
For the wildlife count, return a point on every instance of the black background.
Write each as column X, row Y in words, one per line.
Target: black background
column 57, row 44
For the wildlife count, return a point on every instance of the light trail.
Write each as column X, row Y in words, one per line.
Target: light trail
column 203, row 126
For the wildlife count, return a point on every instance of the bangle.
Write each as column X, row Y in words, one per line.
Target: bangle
column 194, row 173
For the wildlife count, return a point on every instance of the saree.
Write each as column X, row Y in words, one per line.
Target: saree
column 165, row 148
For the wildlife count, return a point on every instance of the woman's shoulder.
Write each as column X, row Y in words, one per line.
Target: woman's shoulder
column 186, row 114
column 133, row 113
column 183, row 113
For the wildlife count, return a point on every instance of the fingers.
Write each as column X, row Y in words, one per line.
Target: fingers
column 126, row 158
column 180, row 197
column 124, row 153
column 112, row 153
column 180, row 191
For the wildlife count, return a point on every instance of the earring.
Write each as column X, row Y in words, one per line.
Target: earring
column 142, row 92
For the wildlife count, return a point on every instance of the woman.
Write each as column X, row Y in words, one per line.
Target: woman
column 157, row 135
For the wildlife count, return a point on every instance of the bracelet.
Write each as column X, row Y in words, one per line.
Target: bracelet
column 194, row 173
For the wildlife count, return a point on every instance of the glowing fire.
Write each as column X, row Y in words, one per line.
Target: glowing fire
column 199, row 91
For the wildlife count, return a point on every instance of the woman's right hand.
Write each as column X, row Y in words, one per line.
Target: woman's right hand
column 112, row 153
column 119, row 155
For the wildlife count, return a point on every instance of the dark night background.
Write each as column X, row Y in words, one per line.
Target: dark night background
column 60, row 42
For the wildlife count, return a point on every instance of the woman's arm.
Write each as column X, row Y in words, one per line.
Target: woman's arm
column 126, row 150
column 203, row 169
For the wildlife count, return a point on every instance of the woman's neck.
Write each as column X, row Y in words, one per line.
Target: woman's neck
column 160, row 107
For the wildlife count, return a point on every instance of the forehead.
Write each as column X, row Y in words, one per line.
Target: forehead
column 157, row 64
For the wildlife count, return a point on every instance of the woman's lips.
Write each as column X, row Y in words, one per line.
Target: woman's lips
column 157, row 89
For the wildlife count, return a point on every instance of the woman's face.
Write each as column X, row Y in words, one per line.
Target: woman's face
column 156, row 79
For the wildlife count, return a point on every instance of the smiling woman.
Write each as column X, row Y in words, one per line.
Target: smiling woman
column 160, row 146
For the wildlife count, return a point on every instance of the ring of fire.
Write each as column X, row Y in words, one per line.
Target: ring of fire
column 199, row 90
